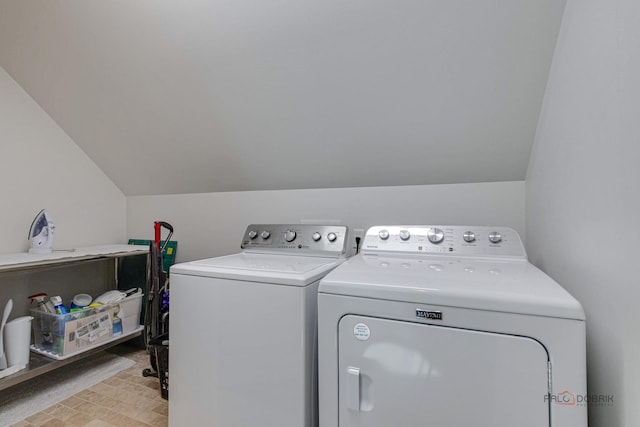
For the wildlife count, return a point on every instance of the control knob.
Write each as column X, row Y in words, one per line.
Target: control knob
column 495, row 237
column 435, row 235
column 316, row 236
column 265, row 234
column 332, row 237
column 289, row 235
column 252, row 234
column 383, row 234
column 404, row 234
column 469, row 236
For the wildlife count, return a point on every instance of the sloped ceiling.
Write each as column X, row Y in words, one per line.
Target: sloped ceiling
column 225, row 95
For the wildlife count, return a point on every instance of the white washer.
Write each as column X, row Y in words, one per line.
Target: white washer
column 243, row 329
column 448, row 326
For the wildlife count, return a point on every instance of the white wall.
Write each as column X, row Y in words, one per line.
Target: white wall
column 212, row 224
column 42, row 168
column 582, row 192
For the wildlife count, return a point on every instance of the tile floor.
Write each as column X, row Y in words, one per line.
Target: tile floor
column 125, row 400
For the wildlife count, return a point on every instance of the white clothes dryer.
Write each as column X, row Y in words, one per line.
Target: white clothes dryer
column 243, row 329
column 448, row 326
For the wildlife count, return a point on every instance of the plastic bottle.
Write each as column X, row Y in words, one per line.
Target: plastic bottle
column 117, row 326
column 58, row 306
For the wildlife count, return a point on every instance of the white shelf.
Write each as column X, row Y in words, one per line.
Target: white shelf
column 41, row 363
column 25, row 260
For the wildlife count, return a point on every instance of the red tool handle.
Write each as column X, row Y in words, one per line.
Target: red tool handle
column 157, row 228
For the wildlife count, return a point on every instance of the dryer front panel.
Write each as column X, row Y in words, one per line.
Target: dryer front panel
column 405, row 374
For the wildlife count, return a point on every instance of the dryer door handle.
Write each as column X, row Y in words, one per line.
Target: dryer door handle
column 353, row 388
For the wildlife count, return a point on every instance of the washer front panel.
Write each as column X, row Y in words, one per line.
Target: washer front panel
column 242, row 353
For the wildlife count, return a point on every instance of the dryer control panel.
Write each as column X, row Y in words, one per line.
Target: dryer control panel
column 296, row 239
column 455, row 240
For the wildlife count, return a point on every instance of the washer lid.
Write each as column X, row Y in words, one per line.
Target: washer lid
column 513, row 286
column 277, row 269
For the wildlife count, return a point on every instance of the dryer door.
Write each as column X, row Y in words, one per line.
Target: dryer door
column 395, row 373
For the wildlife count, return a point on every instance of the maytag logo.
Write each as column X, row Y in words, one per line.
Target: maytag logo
column 426, row 314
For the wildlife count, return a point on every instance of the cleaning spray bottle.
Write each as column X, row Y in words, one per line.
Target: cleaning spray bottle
column 42, row 303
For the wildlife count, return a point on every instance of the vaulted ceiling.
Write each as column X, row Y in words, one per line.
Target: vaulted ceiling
column 225, row 95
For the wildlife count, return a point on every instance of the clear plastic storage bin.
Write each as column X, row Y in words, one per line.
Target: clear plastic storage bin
column 64, row 334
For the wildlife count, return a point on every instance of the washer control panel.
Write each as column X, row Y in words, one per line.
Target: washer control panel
column 452, row 240
column 300, row 239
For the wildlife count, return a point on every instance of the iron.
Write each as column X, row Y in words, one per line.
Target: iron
column 41, row 234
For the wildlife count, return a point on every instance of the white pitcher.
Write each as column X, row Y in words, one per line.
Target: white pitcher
column 17, row 337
